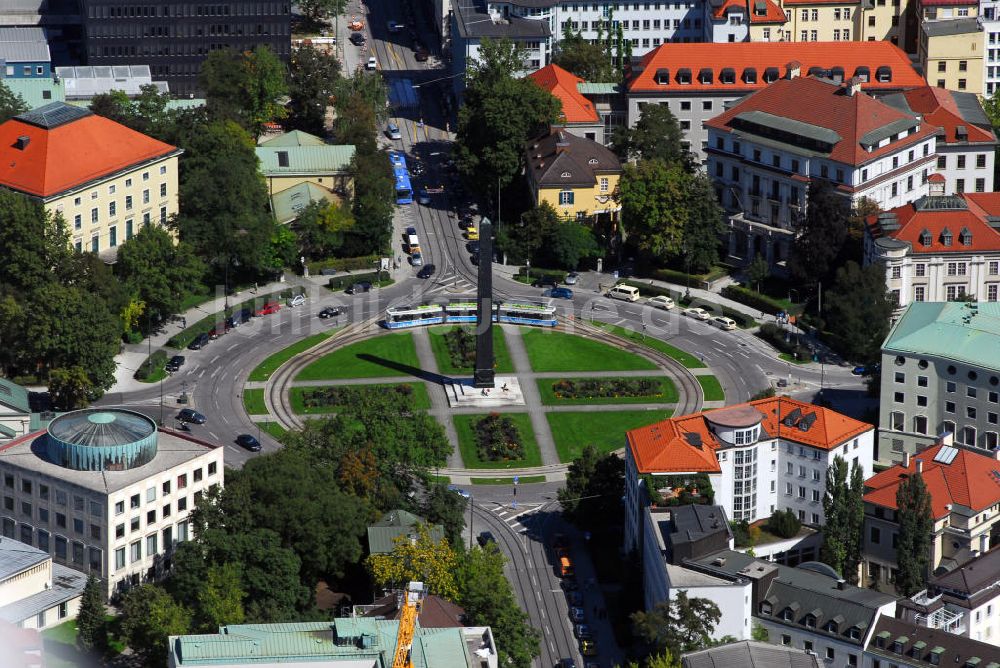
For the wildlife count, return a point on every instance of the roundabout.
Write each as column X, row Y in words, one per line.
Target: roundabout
column 575, row 385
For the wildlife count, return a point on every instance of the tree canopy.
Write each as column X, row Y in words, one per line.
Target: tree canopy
column 158, row 272
column 857, row 309
column 244, row 87
column 821, row 234
column 656, row 136
column 590, row 62
column 426, row 560
column 679, row 625
column 594, row 483
column 149, row 616
column 913, row 512
column 11, row 104
column 312, row 83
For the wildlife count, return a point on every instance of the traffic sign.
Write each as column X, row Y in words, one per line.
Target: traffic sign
column 516, row 479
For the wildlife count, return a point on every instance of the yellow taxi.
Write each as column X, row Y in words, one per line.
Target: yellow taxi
column 471, row 233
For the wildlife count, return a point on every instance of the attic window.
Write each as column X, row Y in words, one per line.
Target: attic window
column 786, row 614
column 565, row 175
column 854, row 633
column 765, row 608
column 750, row 75
column 961, row 133
column 684, row 76
column 817, row 71
column 883, row 74
column 727, row 76
column 837, row 73
column 925, row 238
column 282, row 158
column 946, row 237
column 663, row 76
column 810, row 621
column 705, row 75
column 759, row 8
column 771, row 74
column 863, row 73
column 965, row 237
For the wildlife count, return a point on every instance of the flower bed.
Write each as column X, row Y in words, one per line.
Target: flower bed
column 498, row 439
column 341, row 396
column 461, row 347
column 594, row 388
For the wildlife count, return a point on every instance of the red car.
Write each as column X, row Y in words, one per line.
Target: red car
column 269, row 308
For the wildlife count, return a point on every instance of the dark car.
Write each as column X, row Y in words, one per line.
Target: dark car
column 421, row 55
column 474, row 259
column 426, row 271
column 465, row 221
column 356, row 288
column 249, row 442
column 560, row 293
column 357, row 39
column 566, row 663
column 545, row 282
column 411, row 230
column 199, row 342
column 417, row 168
column 574, row 598
column 191, row 415
column 582, row 632
column 473, row 247
column 175, row 363
column 330, row 312
column 485, row 538
column 240, row 317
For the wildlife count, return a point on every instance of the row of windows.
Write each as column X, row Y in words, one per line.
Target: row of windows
column 62, row 521
column 95, row 212
column 166, row 487
column 133, row 31
column 953, row 292
column 152, row 545
column 61, row 497
column 110, row 11
column 960, row 161
column 67, row 551
column 964, row 436
column 952, row 268
column 173, row 48
column 95, row 241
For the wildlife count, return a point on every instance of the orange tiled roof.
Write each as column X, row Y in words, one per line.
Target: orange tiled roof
column 968, row 480
column 938, row 107
column 762, row 55
column 61, row 156
column 922, row 216
column 772, row 12
column 825, row 104
column 671, row 446
column 562, row 84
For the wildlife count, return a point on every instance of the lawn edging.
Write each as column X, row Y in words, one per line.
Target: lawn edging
column 273, row 362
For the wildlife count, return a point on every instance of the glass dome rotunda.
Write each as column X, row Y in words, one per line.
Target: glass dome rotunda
column 98, row 439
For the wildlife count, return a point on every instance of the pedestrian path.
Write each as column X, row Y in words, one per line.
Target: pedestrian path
column 511, row 513
column 532, row 399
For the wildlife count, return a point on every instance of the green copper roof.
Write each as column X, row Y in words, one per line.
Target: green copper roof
column 294, row 160
column 289, row 203
column 383, row 534
column 34, row 91
column 967, row 333
column 14, row 396
column 294, row 138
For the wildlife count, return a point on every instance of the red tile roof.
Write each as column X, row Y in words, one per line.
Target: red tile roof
column 938, row 107
column 825, row 104
column 562, row 84
column 70, row 155
column 762, row 55
column 968, row 211
column 968, row 480
column 773, row 13
column 667, row 446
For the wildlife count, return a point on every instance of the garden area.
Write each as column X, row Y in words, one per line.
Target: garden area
column 576, row 391
column 497, row 441
column 605, row 430
column 786, row 342
column 556, row 351
column 386, row 355
column 271, row 364
column 319, row 400
column 711, row 387
column 455, row 350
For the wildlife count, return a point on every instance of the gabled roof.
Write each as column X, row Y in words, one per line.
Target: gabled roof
column 948, row 110
column 561, row 159
column 68, row 147
column 954, row 476
column 750, row 654
column 973, row 576
column 965, row 333
column 688, row 444
column 762, row 55
column 821, row 112
column 920, row 643
column 294, row 138
column 563, row 86
column 304, row 159
column 929, row 217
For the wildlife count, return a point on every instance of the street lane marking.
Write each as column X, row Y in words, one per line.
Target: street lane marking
column 232, row 347
column 216, row 371
column 212, row 434
column 215, row 359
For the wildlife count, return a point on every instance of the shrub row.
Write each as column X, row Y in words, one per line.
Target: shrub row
column 153, row 363
column 751, row 298
column 341, row 264
column 340, row 396
column 612, row 387
column 775, row 335
column 461, row 346
column 497, row 439
column 342, row 282
column 535, row 273
column 679, row 277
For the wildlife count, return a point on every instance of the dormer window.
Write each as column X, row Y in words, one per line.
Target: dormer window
column 765, row 608
column 946, row 237
column 771, row 74
column 926, row 239
column 663, row 76
column 810, row 621
column 592, row 161
column 705, row 75
column 883, row 74
column 863, row 73
column 727, row 76
column 565, row 175
column 786, row 614
column 854, row 633
column 684, row 76
column 965, row 237
column 831, row 627
column 750, row 75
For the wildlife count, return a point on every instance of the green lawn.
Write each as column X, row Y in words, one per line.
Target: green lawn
column 685, row 358
column 275, row 430
column 467, row 443
column 271, row 364
column 788, row 357
column 421, row 400
column 521, row 480
column 501, row 355
column 61, row 650
column 712, row 389
column 195, row 299
column 253, row 402
column 605, row 430
column 350, row 362
column 667, row 393
column 556, row 351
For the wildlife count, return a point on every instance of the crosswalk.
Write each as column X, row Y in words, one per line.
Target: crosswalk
column 511, row 516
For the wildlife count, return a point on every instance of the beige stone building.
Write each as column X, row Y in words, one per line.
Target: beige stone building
column 297, row 157
column 887, row 20
column 951, row 54
column 102, row 177
column 822, row 21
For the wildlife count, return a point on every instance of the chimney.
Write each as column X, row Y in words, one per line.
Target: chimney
column 794, row 69
column 920, row 465
column 947, row 438
column 561, row 143
column 853, row 86
column 841, row 584
column 22, row 142
column 906, row 460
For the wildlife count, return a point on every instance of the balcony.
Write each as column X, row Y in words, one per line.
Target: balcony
column 947, row 620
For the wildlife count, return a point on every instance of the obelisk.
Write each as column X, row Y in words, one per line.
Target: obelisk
column 484, row 326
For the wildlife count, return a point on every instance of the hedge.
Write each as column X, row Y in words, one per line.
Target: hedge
column 341, row 264
column 535, row 273
column 752, row 298
column 153, row 363
column 646, row 290
column 184, row 337
column 774, row 335
column 343, row 282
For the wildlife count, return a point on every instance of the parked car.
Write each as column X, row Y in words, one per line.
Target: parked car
column 191, row 415
column 724, row 323
column 423, row 197
column 217, row 331
column 661, row 301
column 577, row 615
column 410, row 231
column 696, row 313
column 574, row 598
column 569, row 583
column 249, row 442
column 471, row 233
column 297, row 300
column 416, row 259
column 417, row 168
column 464, row 221
column 473, row 247
column 357, row 39
column 458, row 490
column 199, row 342
column 582, row 632
column 571, row 278
column 545, row 282
column 330, row 312
column 269, row 308
column 392, row 131
column 372, row 64
column 474, row 259
column 566, row 663
column 241, row 316
column 395, row 27
column 866, row 370
column 588, row 648
column 359, row 287
column 356, row 25
column 559, row 293
column 421, row 54
column 485, row 538
column 175, row 363
column 426, row 271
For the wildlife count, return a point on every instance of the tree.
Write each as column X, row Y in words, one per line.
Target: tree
column 590, row 62
column 525, row 239
column 315, row 10
column 594, row 483
column 425, row 560
column 663, row 660
column 654, row 198
column 570, row 242
column 312, row 83
column 32, row 243
column 758, row 633
column 704, row 226
column 499, row 113
column 373, row 204
column 70, row 388
column 244, row 87
column 442, row 506
column 149, row 616
column 147, row 113
column 913, row 512
column 833, row 552
column 858, row 309
column 820, row 235
column 160, row 273
column 11, row 104
column 757, row 271
column 855, row 513
column 784, row 523
column 220, row 597
column 679, row 625
column 656, row 136
column 322, row 227
column 91, row 631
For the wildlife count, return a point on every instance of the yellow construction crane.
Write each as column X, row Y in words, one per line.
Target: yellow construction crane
column 410, row 608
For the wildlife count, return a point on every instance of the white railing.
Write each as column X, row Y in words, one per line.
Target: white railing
column 944, row 619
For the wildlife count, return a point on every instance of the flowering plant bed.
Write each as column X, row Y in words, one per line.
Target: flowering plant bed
column 594, row 388
column 324, row 397
column 461, row 348
column 498, row 439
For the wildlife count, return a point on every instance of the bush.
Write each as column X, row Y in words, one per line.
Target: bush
column 784, row 524
column 342, row 282
column 755, row 299
column 610, row 387
column 461, row 346
column 775, row 335
column 523, row 274
column 497, row 439
column 153, row 363
column 340, row 396
column 341, row 264
column 741, row 533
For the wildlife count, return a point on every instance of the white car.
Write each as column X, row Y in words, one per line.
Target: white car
column 297, row 300
column 661, row 301
column 395, row 27
column 372, row 64
column 696, row 313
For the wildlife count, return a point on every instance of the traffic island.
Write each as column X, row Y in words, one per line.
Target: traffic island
column 462, row 393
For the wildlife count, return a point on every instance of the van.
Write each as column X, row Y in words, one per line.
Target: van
column 624, row 292
column 721, row 322
column 412, row 244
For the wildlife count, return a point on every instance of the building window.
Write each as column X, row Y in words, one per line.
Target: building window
column 920, row 424
column 136, row 551
column 151, row 544
column 875, row 535
column 119, row 558
column 566, row 197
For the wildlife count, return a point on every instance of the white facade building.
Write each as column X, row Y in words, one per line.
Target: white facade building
column 34, row 592
column 105, row 492
column 989, row 19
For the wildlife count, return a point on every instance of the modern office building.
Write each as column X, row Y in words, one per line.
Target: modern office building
column 173, row 37
column 24, row 53
column 105, row 492
column 965, row 498
column 34, row 592
column 102, row 177
column 941, row 375
column 762, row 456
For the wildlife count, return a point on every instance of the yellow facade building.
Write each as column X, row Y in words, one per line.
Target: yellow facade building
column 951, row 54
column 297, row 157
column 105, row 179
column 576, row 176
column 822, row 21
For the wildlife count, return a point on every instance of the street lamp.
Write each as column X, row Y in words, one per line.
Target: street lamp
column 528, row 263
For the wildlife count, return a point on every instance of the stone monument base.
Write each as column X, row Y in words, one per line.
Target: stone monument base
column 462, row 394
